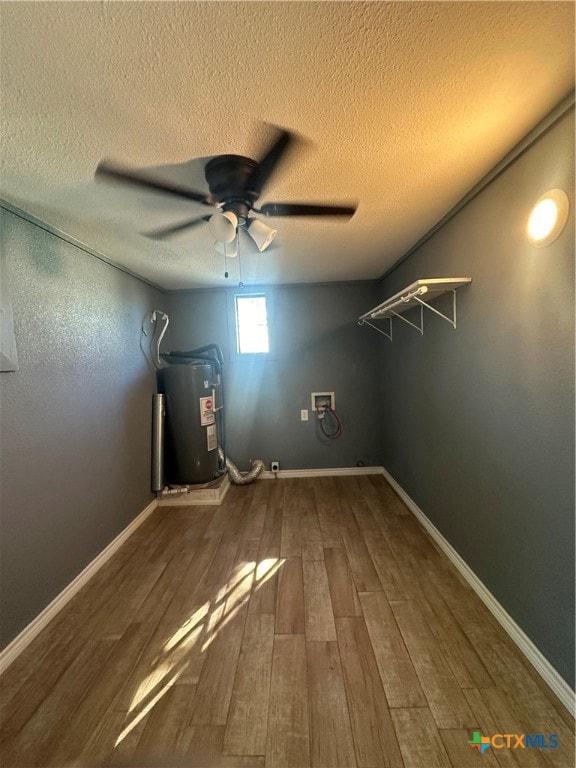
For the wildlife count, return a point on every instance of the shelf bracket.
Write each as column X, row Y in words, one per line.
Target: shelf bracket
column 418, row 327
column 388, row 335
column 451, row 320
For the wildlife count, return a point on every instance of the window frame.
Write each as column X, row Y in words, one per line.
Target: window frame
column 235, row 354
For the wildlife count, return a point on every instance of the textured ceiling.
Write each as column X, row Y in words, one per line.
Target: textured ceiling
column 404, row 107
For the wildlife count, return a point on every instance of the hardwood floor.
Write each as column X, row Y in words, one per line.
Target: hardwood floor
column 301, row 623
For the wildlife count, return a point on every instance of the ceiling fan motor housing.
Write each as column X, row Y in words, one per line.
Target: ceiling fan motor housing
column 227, row 177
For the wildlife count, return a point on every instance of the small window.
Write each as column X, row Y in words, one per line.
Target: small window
column 252, row 324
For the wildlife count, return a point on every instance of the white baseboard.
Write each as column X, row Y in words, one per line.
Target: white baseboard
column 337, row 471
column 21, row 641
column 540, row 663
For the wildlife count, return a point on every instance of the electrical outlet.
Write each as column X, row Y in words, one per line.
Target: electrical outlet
column 304, row 414
column 274, row 466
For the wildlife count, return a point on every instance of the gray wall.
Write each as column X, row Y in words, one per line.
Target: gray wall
column 318, row 346
column 75, row 418
column 478, row 423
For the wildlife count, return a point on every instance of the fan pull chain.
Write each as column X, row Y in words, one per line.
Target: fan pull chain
column 225, row 262
column 240, row 283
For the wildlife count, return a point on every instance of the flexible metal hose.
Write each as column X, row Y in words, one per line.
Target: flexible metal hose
column 242, row 478
column 157, row 313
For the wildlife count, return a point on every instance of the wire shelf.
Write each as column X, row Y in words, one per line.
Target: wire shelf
column 417, row 294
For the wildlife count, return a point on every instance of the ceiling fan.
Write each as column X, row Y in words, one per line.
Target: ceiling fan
column 235, row 183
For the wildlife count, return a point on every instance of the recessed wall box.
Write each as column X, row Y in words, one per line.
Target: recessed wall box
column 322, row 400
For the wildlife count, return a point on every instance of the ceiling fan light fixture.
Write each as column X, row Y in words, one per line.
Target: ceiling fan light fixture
column 261, row 233
column 229, row 252
column 223, row 226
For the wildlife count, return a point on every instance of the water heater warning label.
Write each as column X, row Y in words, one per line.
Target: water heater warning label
column 211, row 437
column 206, row 411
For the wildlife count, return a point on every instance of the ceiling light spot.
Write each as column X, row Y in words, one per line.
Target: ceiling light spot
column 548, row 217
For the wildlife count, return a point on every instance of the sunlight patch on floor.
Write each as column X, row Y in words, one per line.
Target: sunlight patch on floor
column 187, row 627
column 206, row 621
column 149, row 683
column 267, row 568
column 151, row 704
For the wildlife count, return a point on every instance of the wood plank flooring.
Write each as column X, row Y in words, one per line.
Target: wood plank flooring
column 307, row 622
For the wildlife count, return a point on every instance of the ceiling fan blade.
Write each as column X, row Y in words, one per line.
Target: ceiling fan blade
column 267, row 165
column 160, row 234
column 108, row 170
column 305, row 209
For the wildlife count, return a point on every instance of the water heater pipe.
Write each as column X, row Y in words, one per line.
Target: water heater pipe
column 173, row 491
column 158, row 413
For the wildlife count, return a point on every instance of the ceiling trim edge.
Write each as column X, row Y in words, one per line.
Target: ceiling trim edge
column 35, row 221
column 531, row 138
